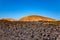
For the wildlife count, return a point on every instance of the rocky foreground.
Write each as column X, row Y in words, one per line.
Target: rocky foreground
column 38, row 30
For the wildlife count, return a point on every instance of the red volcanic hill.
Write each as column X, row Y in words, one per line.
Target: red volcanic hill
column 36, row 18
column 8, row 19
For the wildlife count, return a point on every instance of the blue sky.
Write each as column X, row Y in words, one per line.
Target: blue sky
column 19, row 8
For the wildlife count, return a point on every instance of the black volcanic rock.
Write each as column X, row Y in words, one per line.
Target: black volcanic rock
column 36, row 30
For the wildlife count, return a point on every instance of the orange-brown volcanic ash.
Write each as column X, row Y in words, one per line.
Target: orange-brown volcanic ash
column 36, row 18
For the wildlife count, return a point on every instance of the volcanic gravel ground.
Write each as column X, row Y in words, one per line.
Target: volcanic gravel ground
column 29, row 31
